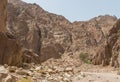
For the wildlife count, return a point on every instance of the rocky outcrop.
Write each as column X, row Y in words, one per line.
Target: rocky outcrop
column 109, row 52
column 24, row 29
column 12, row 51
column 48, row 35
column 34, row 35
column 9, row 49
column 88, row 35
column 37, row 29
column 3, row 15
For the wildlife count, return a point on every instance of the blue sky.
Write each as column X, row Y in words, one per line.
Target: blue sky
column 78, row 10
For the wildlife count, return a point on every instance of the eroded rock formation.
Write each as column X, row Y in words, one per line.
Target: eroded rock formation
column 11, row 49
column 3, row 15
column 33, row 35
column 109, row 53
column 48, row 35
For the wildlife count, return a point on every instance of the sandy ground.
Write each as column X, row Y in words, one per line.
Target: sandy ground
column 96, row 77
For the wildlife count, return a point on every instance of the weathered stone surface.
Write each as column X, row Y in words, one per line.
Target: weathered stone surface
column 12, row 51
column 38, row 29
column 9, row 48
column 30, row 29
column 110, row 51
column 44, row 35
column 3, row 15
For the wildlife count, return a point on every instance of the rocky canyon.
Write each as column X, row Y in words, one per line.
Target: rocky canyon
column 39, row 46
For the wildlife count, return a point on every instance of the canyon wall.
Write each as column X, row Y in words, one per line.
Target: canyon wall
column 33, row 35
column 50, row 36
column 3, row 15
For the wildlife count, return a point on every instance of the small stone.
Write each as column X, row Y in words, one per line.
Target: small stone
column 60, row 77
column 20, row 68
column 75, row 71
column 50, row 78
column 67, row 75
column 30, row 73
column 26, row 66
column 60, row 69
column 68, row 69
column 83, row 75
column 5, row 65
column 37, row 68
column 12, row 69
column 50, row 71
column 22, row 72
column 65, row 79
column 55, row 67
column 79, row 77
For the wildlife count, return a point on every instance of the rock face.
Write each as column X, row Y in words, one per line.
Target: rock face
column 47, row 35
column 35, row 35
column 29, row 28
column 109, row 53
column 3, row 15
column 90, row 34
column 29, row 35
column 11, row 50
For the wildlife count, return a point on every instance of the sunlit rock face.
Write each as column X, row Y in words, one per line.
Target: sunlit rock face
column 34, row 35
column 50, row 36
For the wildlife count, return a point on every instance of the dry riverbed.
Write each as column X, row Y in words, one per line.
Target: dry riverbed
column 85, row 73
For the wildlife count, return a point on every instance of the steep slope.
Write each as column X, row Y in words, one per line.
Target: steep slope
column 55, row 36
column 50, row 36
column 109, row 53
column 9, row 48
column 3, row 15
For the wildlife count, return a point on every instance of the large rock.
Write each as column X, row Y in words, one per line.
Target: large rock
column 51, row 51
column 11, row 49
